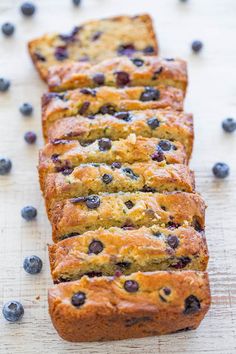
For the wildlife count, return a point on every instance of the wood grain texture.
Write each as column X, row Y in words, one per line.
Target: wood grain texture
column 211, row 96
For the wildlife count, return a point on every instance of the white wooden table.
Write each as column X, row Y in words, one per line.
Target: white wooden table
column 211, row 96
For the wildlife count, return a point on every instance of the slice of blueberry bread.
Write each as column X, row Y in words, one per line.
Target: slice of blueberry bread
column 119, row 72
column 112, row 251
column 95, row 41
column 137, row 305
column 63, row 155
column 108, row 100
column 163, row 124
column 126, row 210
column 101, row 178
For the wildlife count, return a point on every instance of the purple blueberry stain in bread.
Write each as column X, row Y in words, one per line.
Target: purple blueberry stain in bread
column 96, row 35
column 38, row 56
column 61, row 53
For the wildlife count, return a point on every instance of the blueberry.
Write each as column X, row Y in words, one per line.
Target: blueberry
column 92, row 201
column 28, row 8
column 220, row 170
column 181, row 262
column 95, row 247
column 99, row 79
column 106, row 178
column 126, row 116
column 5, row 166
column 167, row 291
column 26, row 109
column 122, row 78
column 229, row 125
column 28, row 213
column 76, row 2
column 148, row 50
column 158, row 155
column 150, row 94
column 96, row 35
column 4, row 84
column 153, row 123
column 191, row 305
column 130, row 173
column 13, row 311
column 131, row 286
column 8, row 29
column 123, row 265
column 32, row 264
column 129, row 204
column 30, row 137
column 88, row 91
column 197, row 46
column 84, row 107
column 138, row 62
column 165, row 145
column 126, row 49
column 115, row 165
column 107, row 109
column 61, row 53
column 104, row 144
column 173, row 241
column 78, row 299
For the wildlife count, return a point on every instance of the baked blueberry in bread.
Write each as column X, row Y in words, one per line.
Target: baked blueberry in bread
column 95, row 41
column 137, row 305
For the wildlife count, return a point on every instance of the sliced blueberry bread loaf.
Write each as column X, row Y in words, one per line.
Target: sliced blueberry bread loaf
column 163, row 124
column 120, row 72
column 97, row 178
column 126, row 210
column 108, row 100
column 95, row 41
column 137, row 305
column 62, row 155
column 114, row 251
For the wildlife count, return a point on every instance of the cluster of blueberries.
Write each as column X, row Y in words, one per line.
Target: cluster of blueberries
column 13, row 310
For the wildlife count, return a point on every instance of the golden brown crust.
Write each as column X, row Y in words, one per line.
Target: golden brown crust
column 122, row 314
column 87, row 42
column 120, row 72
column 63, row 155
column 128, row 251
column 107, row 99
column 100, row 178
column 173, row 209
column 173, row 125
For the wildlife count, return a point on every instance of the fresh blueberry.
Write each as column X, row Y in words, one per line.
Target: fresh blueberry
column 5, row 166
column 76, row 2
column 220, row 170
column 197, row 46
column 30, row 137
column 13, row 311
column 28, row 8
column 26, row 109
column 229, row 125
column 32, row 264
column 28, row 213
column 4, row 84
column 78, row 299
column 8, row 29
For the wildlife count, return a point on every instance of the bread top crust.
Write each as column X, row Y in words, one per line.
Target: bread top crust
column 106, row 296
column 127, row 251
column 100, row 178
column 108, row 100
column 170, row 209
column 163, row 124
column 121, row 35
column 120, row 72
column 61, row 155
